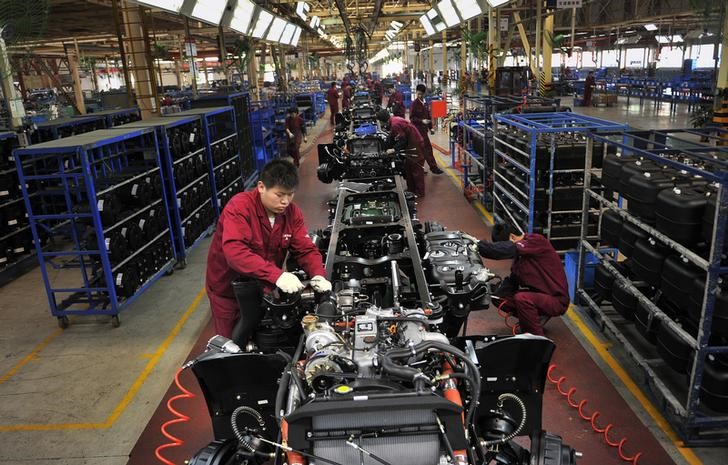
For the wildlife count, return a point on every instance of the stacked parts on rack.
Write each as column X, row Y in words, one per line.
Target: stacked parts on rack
column 100, row 196
column 667, row 299
column 79, row 124
column 16, row 239
column 539, row 171
column 186, row 174
column 240, row 101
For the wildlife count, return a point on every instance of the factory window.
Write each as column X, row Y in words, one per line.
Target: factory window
column 610, row 58
column 670, row 57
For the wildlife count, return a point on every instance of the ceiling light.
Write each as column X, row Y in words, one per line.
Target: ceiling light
column 209, row 11
column 448, row 13
column 677, row 38
column 467, row 8
column 496, row 3
column 288, row 34
column 242, row 16
column 276, row 29
column 296, row 36
column 427, row 25
column 261, row 25
column 650, row 27
column 170, row 5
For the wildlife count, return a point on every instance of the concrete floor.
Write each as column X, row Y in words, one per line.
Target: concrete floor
column 81, row 396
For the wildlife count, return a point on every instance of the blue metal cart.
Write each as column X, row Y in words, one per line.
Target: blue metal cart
column 117, row 116
column 100, row 196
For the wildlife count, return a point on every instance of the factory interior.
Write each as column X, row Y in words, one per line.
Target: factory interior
column 363, row 232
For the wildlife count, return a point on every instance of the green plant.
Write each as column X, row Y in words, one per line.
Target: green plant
column 160, row 52
column 241, row 54
column 477, row 42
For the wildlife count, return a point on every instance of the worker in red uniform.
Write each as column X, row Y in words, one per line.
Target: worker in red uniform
column 537, row 285
column 404, row 136
column 589, row 84
column 378, row 92
column 332, row 96
column 395, row 104
column 422, row 119
column 255, row 231
column 346, row 95
column 296, row 132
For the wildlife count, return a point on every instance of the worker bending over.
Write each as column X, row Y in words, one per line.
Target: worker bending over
column 395, row 104
column 255, row 231
column 537, row 284
column 404, row 137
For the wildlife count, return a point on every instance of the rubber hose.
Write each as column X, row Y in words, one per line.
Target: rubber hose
column 391, row 367
column 234, row 421
column 516, row 432
column 285, row 379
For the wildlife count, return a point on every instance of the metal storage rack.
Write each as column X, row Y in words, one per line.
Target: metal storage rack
column 223, row 148
column 240, row 101
column 264, row 141
column 186, row 174
column 537, row 178
column 66, row 127
column 678, row 150
column 476, row 134
column 101, row 192
column 117, row 117
column 17, row 253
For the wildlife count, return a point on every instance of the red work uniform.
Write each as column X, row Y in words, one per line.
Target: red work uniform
column 246, row 244
column 404, row 135
column 297, row 126
column 346, row 97
column 589, row 85
column 378, row 92
column 332, row 96
column 418, row 112
column 396, row 104
column 539, row 274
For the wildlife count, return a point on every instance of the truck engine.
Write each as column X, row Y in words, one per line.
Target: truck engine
column 378, row 373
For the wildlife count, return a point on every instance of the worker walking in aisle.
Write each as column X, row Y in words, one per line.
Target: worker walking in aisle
column 296, row 132
column 395, row 104
column 404, row 136
column 346, row 95
column 255, row 231
column 537, row 285
column 422, row 119
column 332, row 96
column 589, row 86
column 378, row 92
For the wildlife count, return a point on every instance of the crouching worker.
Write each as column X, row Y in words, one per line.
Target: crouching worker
column 537, row 285
column 255, row 231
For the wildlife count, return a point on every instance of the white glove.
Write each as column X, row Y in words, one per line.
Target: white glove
column 289, row 283
column 469, row 237
column 390, row 152
column 320, row 284
column 425, row 121
column 305, row 139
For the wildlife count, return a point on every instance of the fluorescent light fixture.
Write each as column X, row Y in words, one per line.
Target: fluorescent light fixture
column 302, row 8
column 467, row 8
column 288, row 33
column 496, row 3
column 276, row 29
column 296, row 36
column 396, row 25
column 651, row 27
column 677, row 38
column 242, row 16
column 429, row 30
column 261, row 24
column 448, row 13
column 209, row 11
column 436, row 20
column 170, row 5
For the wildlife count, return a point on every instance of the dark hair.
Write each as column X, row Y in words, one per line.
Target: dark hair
column 292, row 110
column 279, row 173
column 501, row 232
column 421, row 88
column 333, row 84
column 383, row 115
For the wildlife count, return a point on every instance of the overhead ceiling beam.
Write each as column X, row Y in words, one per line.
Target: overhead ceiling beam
column 344, row 16
column 375, row 18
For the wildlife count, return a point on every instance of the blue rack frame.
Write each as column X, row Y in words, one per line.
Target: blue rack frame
column 240, row 101
column 696, row 425
column 263, row 122
column 68, row 168
column 531, row 127
column 163, row 126
column 54, row 129
column 219, row 125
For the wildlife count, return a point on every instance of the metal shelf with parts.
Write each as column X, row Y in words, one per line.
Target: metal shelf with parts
column 100, row 196
column 669, row 291
column 537, row 162
column 186, row 168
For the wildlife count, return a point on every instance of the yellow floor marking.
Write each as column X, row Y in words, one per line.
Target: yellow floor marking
column 129, row 395
column 602, row 350
column 31, row 356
